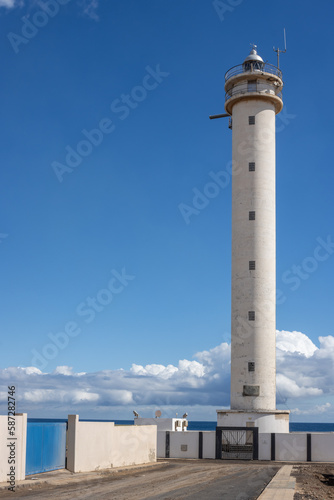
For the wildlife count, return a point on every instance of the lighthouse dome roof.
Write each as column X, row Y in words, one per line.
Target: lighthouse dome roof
column 253, row 56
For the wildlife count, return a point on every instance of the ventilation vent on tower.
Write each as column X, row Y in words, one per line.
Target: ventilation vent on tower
column 252, row 215
column 252, row 265
column 251, row 315
column 251, row 86
column 251, row 166
column 251, row 366
column 251, row 120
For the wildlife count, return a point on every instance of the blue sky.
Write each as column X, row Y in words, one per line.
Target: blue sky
column 147, row 75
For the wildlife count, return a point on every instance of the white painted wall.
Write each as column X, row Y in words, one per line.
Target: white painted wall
column 209, row 444
column 189, row 439
column 90, row 445
column 265, row 446
column 161, row 444
column 322, row 447
column 291, row 447
column 271, row 421
column 288, row 447
column 20, row 447
column 129, row 445
column 133, row 445
column 102, row 445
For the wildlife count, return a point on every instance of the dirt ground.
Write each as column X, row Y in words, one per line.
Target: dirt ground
column 175, row 480
column 314, row 482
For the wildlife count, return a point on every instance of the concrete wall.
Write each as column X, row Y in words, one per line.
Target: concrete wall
column 275, row 421
column 133, row 445
column 186, row 444
column 265, row 446
column 288, row 447
column 322, row 447
column 291, row 447
column 102, row 445
column 89, row 445
column 161, row 444
column 20, row 447
column 209, row 444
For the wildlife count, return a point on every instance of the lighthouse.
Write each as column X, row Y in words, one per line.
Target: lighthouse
column 253, row 97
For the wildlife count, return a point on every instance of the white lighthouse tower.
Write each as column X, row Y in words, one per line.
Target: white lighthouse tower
column 253, row 98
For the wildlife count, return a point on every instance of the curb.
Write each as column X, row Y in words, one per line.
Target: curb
column 281, row 487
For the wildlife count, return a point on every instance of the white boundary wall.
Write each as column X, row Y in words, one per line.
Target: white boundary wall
column 292, row 447
column 102, row 445
column 20, row 447
column 186, row 444
column 323, row 447
column 265, row 446
column 209, row 444
column 184, row 447
column 134, row 445
column 289, row 447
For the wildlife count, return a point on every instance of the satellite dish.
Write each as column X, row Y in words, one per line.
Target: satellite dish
column 158, row 414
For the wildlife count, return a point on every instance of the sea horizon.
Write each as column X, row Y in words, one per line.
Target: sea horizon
column 207, row 425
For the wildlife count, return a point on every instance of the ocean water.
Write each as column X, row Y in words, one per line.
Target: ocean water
column 294, row 426
column 194, row 425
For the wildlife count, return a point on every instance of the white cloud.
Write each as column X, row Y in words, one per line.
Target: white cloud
column 80, row 396
column 295, row 342
column 88, row 8
column 291, row 389
column 305, row 373
column 160, row 371
column 9, row 4
column 312, row 411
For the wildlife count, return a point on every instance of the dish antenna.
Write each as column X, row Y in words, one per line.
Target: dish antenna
column 279, row 51
column 158, row 414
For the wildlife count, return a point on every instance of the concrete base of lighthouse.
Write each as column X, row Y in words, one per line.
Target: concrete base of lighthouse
column 275, row 421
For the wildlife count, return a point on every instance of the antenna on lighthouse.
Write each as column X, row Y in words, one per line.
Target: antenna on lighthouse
column 279, row 51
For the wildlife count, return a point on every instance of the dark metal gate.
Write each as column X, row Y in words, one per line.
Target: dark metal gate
column 46, row 446
column 237, row 443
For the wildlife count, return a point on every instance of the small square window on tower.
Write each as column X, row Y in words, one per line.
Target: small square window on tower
column 251, row 366
column 252, row 265
column 251, row 315
column 252, row 215
column 251, row 166
column 251, row 120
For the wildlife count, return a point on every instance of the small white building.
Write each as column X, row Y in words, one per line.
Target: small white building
column 164, row 424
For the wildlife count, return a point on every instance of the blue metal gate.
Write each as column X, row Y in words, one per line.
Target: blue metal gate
column 46, row 446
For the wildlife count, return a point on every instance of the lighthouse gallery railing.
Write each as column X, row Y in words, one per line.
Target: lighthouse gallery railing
column 253, row 69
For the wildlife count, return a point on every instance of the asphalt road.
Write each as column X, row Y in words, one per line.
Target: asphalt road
column 179, row 479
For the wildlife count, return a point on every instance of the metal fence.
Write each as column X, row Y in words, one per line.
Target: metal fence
column 252, row 68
